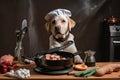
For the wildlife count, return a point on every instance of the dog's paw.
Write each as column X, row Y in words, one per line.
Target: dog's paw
column 77, row 59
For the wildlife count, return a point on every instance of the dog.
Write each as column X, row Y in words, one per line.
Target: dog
column 59, row 24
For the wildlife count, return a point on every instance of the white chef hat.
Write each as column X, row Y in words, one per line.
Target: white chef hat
column 57, row 12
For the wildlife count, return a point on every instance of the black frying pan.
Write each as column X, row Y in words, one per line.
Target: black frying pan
column 41, row 62
column 56, row 64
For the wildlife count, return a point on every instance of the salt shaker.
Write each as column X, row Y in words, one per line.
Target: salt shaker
column 89, row 59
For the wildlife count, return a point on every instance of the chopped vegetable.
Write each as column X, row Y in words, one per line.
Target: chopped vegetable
column 78, row 73
column 90, row 73
column 86, row 73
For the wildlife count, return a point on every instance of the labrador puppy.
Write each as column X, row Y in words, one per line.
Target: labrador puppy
column 59, row 24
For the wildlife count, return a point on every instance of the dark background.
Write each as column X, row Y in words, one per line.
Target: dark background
column 88, row 32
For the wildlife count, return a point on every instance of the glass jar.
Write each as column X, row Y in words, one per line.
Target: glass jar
column 89, row 59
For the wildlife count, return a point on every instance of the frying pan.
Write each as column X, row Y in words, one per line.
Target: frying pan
column 56, row 64
column 41, row 62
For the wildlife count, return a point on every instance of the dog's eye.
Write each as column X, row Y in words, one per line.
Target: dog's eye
column 53, row 22
column 63, row 21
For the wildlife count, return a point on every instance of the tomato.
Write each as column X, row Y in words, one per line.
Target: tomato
column 3, row 66
column 4, row 70
column 10, row 68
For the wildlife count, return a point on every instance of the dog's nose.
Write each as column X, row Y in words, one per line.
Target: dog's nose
column 57, row 29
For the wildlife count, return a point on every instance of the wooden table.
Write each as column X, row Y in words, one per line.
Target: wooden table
column 34, row 75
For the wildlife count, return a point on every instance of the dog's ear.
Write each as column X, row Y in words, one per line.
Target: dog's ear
column 48, row 17
column 47, row 26
column 71, row 24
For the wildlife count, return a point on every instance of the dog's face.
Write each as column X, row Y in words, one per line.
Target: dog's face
column 60, row 25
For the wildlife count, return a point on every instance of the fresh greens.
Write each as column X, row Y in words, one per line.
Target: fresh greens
column 86, row 73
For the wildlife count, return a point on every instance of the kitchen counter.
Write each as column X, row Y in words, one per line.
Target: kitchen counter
column 35, row 75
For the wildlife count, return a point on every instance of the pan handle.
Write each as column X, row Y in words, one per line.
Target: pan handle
column 78, row 53
column 67, row 44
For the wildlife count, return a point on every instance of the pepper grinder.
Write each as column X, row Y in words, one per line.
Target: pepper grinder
column 89, row 59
